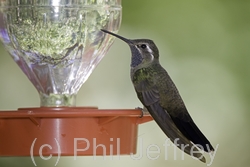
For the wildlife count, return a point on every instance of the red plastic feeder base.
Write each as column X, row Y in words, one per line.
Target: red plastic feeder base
column 69, row 131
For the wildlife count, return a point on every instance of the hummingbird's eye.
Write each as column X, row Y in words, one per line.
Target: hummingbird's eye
column 143, row 46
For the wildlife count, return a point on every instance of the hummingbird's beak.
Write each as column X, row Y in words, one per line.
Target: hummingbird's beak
column 118, row 36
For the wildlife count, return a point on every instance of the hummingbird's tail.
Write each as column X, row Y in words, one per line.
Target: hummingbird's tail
column 193, row 133
column 164, row 120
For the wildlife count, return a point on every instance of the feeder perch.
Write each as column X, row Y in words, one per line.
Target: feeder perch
column 57, row 44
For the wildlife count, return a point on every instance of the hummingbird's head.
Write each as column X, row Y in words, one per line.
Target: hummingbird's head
column 144, row 51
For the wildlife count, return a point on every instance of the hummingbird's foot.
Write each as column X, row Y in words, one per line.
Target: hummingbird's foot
column 144, row 111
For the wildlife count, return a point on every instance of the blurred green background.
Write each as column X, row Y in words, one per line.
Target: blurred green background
column 204, row 45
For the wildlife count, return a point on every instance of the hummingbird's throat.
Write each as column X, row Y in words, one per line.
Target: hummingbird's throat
column 136, row 57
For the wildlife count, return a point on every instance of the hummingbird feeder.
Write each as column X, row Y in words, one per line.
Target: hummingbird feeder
column 57, row 44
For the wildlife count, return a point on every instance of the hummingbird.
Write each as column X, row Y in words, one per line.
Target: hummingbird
column 159, row 95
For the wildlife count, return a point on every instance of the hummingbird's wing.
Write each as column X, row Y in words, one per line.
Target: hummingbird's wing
column 172, row 102
column 159, row 88
column 149, row 95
